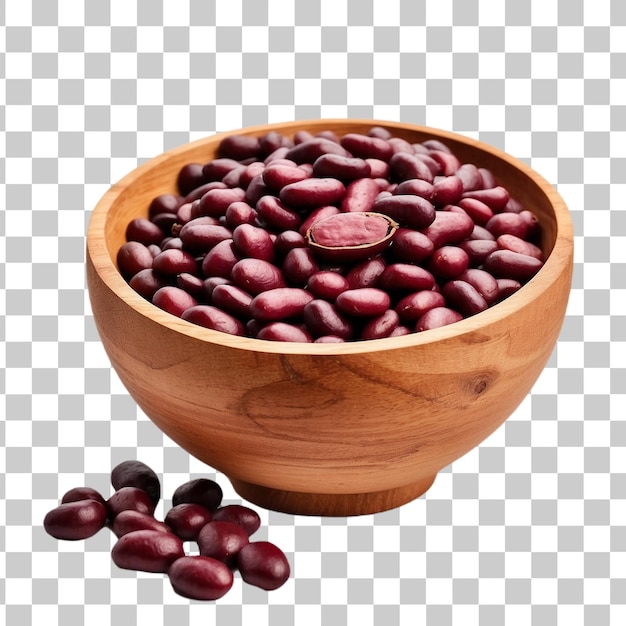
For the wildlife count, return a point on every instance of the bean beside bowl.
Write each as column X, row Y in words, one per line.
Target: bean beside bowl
column 333, row 427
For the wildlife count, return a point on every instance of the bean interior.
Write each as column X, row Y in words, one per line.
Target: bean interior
column 248, row 218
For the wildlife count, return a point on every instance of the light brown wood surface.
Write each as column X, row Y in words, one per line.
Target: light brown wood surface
column 329, row 429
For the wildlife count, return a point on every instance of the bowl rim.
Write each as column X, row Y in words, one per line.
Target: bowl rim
column 555, row 264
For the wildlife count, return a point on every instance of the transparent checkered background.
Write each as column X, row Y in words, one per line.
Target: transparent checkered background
column 529, row 528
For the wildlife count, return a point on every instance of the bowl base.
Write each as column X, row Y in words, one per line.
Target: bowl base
column 331, row 504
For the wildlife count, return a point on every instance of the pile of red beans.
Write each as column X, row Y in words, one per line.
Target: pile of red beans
column 321, row 238
column 144, row 543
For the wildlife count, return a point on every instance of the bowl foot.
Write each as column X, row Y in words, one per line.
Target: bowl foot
column 331, row 504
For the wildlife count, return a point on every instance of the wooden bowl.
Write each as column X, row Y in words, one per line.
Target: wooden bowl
column 329, row 429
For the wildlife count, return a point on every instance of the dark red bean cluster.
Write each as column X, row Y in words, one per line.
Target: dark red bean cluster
column 263, row 240
column 144, row 543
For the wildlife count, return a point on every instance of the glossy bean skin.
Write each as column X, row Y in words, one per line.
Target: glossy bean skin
column 448, row 162
column 255, row 242
column 239, row 514
column 173, row 300
column 404, row 166
column 412, row 306
column 232, row 299
column 360, row 195
column 312, row 193
column 174, row 261
column 276, row 215
column 75, row 520
column 436, row 318
column 508, row 264
column 239, row 147
column 217, row 168
column 299, row 265
column 239, row 213
column 380, row 326
column 405, row 277
column 134, row 473
column 327, row 285
column 408, row 210
column 189, row 177
column 187, row 519
column 478, row 249
column 315, row 216
column 198, row 237
column 480, row 212
column 470, row 177
column 463, row 297
column 82, row 493
column 323, row 318
column 311, row 149
column 448, row 262
column 222, row 540
column 147, row 282
column 200, row 577
column 256, row 275
column 144, row 230
column 367, row 273
column 449, row 228
column 496, row 198
column 483, row 282
column 446, row 190
column 346, row 169
column 220, row 260
column 215, row 202
column 263, row 565
column 366, row 147
column 283, row 331
column 132, row 498
column 132, row 257
column 411, row 246
column 192, row 284
column 507, row 287
column 130, row 520
column 202, row 491
column 288, row 240
column 509, row 224
column 516, row 244
column 164, row 203
column 279, row 304
column 363, row 302
column 213, row 318
column 147, row 551
column 278, row 175
column 417, row 187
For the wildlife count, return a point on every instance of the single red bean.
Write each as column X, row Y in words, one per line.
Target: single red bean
column 367, row 147
column 401, row 145
column 132, row 257
column 463, row 297
column 211, row 283
column 199, row 238
column 496, row 198
column 248, row 174
column 276, row 215
column 448, row 262
column 470, row 176
column 360, row 195
column 239, row 514
column 170, row 243
column 507, row 287
column 216, row 169
column 187, row 519
column 253, row 241
column 82, row 493
column 215, row 202
column 299, row 265
column 232, row 299
column 263, row 565
column 436, row 318
column 408, row 210
column 509, row 224
column 144, row 231
column 532, row 223
column 416, row 187
column 279, row 304
column 129, row 498
column 329, row 339
column 483, row 282
column 312, row 148
column 327, row 285
column 202, row 491
column 129, row 520
column 272, row 141
column 478, row 250
column 405, row 277
column 222, row 540
column 183, row 214
column 174, row 261
column 516, row 244
column 164, row 203
column 256, row 190
column 282, row 331
column 256, row 275
column 344, row 168
column 76, row 520
column 194, row 196
column 165, row 221
column 487, row 178
column 400, row 331
column 480, row 212
column 312, row 193
column 403, row 166
column 220, row 260
column 147, row 551
column 381, row 326
column 480, row 232
column 323, row 318
column 411, row 246
column 431, row 164
column 411, row 307
column 189, row 177
column 211, row 317
column 277, row 175
column 363, row 302
column 378, row 168
column 193, row 285
column 449, row 228
column 288, row 240
column 379, row 131
column 239, row 147
column 239, row 213
column 366, row 273
column 508, row 264
column 200, row 577
column 135, row 473
column 173, row 300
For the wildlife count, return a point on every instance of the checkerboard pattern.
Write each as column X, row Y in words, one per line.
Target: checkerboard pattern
column 530, row 527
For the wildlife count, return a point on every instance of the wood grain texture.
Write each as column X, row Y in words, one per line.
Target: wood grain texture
column 329, row 429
